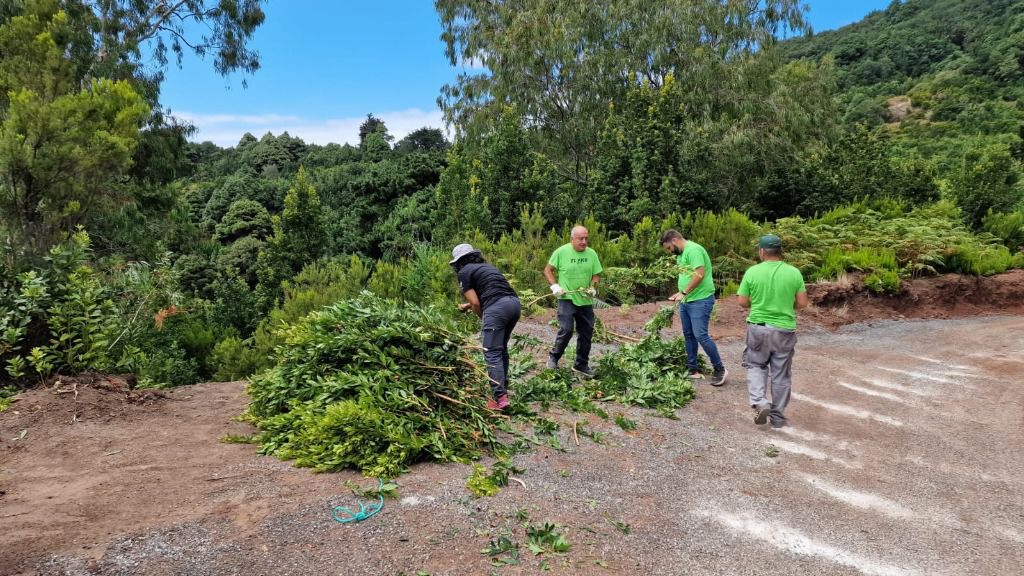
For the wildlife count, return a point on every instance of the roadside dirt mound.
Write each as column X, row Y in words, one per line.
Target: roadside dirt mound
column 70, row 399
column 947, row 296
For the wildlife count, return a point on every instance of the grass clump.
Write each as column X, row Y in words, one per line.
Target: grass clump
column 883, row 282
column 625, row 423
column 7, row 394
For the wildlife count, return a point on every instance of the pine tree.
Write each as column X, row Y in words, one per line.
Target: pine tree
column 299, row 238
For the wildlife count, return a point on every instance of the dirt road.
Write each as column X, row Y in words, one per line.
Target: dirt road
column 905, row 456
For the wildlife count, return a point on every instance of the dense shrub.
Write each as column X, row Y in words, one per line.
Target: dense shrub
column 1008, row 227
column 59, row 317
column 234, row 359
column 318, row 285
column 868, row 235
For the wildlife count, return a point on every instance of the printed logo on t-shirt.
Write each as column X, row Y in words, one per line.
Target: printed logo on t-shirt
column 578, row 260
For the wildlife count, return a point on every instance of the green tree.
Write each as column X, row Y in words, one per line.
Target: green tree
column 218, row 28
column 298, row 239
column 241, row 258
column 422, row 140
column 268, row 156
column 562, row 62
column 860, row 164
column 656, row 155
column 244, row 218
column 162, row 154
column 63, row 149
column 373, row 125
column 242, row 185
column 989, row 181
column 489, row 181
column 374, row 140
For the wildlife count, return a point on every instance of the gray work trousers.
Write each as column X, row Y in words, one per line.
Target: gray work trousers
column 583, row 318
column 769, row 354
column 499, row 319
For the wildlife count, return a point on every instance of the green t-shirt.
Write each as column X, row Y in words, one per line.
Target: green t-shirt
column 695, row 256
column 575, row 269
column 772, row 287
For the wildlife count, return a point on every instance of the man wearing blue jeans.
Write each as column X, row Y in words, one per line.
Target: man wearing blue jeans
column 696, row 299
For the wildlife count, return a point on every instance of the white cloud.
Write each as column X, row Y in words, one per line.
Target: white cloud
column 476, row 63
column 259, row 119
column 227, row 129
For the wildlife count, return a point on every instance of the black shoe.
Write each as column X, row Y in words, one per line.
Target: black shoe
column 552, row 363
column 586, row 372
column 761, row 415
column 718, row 377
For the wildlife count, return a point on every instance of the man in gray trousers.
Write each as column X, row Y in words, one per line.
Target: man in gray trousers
column 773, row 291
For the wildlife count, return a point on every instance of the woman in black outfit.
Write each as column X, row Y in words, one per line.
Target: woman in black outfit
column 490, row 297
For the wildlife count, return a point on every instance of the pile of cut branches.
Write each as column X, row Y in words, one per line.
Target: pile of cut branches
column 373, row 385
column 651, row 373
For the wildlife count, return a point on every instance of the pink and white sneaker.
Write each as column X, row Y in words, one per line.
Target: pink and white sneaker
column 500, row 404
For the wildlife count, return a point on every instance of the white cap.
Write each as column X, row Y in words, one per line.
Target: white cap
column 462, row 250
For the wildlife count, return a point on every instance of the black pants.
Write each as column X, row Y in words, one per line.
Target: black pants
column 499, row 319
column 582, row 317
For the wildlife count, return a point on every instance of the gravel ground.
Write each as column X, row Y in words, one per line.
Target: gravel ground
column 903, row 458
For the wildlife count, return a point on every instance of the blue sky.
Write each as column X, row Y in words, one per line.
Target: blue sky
column 328, row 63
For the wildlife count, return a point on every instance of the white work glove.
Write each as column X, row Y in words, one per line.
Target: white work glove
column 591, row 292
column 557, row 290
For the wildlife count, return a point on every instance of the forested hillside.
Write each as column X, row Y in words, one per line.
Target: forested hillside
column 943, row 80
column 892, row 147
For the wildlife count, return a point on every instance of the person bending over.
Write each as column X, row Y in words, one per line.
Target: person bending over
column 489, row 295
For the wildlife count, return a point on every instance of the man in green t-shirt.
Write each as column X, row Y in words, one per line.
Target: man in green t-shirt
column 774, row 291
column 696, row 299
column 573, row 270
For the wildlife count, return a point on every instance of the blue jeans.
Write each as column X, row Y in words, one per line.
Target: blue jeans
column 695, row 316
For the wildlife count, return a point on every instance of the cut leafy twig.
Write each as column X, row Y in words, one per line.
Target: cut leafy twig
column 598, row 303
column 623, row 337
column 481, row 483
column 546, row 539
column 623, row 527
